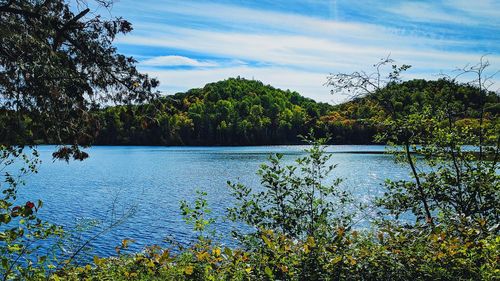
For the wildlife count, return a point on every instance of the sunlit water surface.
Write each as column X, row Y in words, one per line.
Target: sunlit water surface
column 152, row 181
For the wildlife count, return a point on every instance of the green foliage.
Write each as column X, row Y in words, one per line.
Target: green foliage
column 329, row 251
column 458, row 180
column 296, row 203
column 295, row 200
column 393, row 254
column 57, row 63
column 301, row 226
column 20, row 228
column 245, row 112
column 58, row 67
column 198, row 215
column 454, row 130
column 362, row 118
column 235, row 111
column 248, row 112
column 399, row 253
column 455, row 179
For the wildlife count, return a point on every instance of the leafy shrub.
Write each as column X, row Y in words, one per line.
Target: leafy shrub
column 20, row 228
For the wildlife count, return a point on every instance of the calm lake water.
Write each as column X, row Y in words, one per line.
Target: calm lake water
column 153, row 180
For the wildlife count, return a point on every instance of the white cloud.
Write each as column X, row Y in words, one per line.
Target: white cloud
column 177, row 61
column 254, row 21
column 485, row 11
column 286, row 50
column 279, row 77
column 427, row 12
column 457, row 13
column 301, row 51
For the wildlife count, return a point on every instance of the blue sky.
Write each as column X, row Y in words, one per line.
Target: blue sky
column 296, row 44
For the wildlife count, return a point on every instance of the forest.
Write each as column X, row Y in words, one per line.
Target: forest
column 238, row 111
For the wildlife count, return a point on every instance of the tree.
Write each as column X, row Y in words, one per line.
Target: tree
column 58, row 64
column 453, row 163
column 296, row 200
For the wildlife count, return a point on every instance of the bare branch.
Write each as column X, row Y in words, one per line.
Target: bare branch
column 361, row 83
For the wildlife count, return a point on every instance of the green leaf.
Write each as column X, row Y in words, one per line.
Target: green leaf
column 5, row 218
column 269, row 272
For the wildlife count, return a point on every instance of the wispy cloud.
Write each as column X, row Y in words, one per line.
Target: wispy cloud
column 427, row 12
column 472, row 18
column 189, row 43
column 484, row 11
column 177, row 61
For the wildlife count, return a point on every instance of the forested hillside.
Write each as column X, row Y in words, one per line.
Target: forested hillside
column 237, row 111
column 359, row 120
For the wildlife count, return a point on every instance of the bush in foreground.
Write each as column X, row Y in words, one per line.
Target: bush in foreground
column 297, row 248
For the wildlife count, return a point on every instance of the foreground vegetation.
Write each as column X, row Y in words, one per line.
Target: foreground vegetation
column 57, row 68
column 299, row 234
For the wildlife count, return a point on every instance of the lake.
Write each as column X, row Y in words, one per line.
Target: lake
column 152, row 181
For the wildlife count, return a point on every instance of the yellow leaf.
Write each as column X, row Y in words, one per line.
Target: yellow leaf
column 202, row 256
column 98, row 261
column 335, row 260
column 311, row 242
column 227, row 251
column 248, row 269
column 341, row 231
column 189, row 270
column 164, row 256
column 125, row 243
column 216, row 251
column 306, row 249
column 267, row 241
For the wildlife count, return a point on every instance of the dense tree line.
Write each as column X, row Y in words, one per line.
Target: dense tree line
column 359, row 120
column 237, row 111
column 230, row 112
